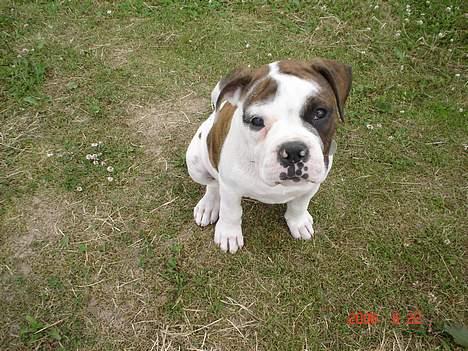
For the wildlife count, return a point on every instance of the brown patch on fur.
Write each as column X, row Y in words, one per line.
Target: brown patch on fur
column 337, row 75
column 300, row 69
column 241, row 78
column 326, row 127
column 218, row 132
column 263, row 91
column 260, row 72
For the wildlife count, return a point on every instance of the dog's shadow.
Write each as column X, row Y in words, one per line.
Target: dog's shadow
column 263, row 225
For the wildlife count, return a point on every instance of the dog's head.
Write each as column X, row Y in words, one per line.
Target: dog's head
column 289, row 112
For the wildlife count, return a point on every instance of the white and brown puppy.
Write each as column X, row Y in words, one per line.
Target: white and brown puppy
column 269, row 138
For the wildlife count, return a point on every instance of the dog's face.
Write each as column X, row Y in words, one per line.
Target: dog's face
column 289, row 113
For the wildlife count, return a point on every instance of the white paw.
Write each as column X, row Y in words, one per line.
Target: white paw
column 228, row 237
column 207, row 210
column 301, row 227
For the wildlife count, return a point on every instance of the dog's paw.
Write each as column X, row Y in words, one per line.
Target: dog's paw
column 301, row 227
column 228, row 237
column 207, row 210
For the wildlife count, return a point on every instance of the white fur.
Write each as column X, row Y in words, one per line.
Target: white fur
column 249, row 167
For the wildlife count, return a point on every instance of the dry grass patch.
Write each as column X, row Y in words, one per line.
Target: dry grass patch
column 40, row 217
column 163, row 123
column 118, row 57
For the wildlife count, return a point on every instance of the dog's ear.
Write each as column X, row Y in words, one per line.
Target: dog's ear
column 339, row 76
column 232, row 87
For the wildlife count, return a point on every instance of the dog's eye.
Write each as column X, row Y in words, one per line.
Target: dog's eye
column 320, row 113
column 257, row 122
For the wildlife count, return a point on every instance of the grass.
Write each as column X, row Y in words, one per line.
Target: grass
column 97, row 263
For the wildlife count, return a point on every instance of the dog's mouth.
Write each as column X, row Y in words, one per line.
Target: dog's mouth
column 299, row 173
column 294, row 181
column 295, row 172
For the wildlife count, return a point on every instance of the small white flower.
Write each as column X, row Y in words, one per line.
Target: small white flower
column 376, row 7
column 432, row 297
column 379, row 125
column 460, row 109
column 406, row 244
column 390, row 137
column 110, row 169
column 100, row 143
column 110, row 179
column 368, row 29
column 79, row 188
column 428, row 2
column 95, row 162
column 448, row 8
column 248, row 66
column 447, row 242
column 449, row 50
column 94, row 144
column 406, row 20
column 465, row 147
column 457, row 75
column 247, row 45
column 419, row 22
column 397, row 34
column 402, row 111
column 50, row 154
column 363, row 52
column 93, row 157
column 369, row 126
column 109, row 12
column 451, row 40
column 269, row 54
column 441, row 35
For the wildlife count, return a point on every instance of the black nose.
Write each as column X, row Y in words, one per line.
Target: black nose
column 292, row 152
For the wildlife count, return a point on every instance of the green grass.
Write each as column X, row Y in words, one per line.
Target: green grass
column 96, row 264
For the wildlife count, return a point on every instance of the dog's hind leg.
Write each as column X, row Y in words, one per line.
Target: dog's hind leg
column 207, row 210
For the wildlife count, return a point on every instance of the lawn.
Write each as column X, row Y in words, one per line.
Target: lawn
column 98, row 247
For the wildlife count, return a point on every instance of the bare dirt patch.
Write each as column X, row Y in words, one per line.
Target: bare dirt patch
column 118, row 57
column 39, row 217
column 162, row 123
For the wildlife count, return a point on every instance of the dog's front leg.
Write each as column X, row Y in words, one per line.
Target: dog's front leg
column 228, row 231
column 298, row 218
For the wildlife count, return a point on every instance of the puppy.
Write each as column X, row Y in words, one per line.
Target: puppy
column 269, row 138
